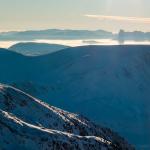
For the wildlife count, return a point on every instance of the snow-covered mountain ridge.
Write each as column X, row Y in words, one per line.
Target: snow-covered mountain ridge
column 91, row 80
column 28, row 123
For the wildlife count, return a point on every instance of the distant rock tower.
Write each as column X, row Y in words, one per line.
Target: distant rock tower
column 121, row 38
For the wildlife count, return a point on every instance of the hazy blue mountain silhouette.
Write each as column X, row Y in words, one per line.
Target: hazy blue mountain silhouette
column 135, row 36
column 55, row 34
column 72, row 34
column 35, row 49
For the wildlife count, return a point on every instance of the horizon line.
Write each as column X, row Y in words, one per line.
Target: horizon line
column 63, row 29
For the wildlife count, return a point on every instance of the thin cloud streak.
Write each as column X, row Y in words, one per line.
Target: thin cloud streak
column 120, row 18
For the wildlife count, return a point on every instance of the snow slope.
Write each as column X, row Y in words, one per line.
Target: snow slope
column 35, row 49
column 93, row 80
column 28, row 123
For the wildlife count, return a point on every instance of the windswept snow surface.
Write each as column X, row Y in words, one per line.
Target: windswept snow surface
column 109, row 84
column 28, row 123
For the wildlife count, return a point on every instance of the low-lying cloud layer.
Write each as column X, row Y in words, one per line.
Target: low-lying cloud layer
column 120, row 18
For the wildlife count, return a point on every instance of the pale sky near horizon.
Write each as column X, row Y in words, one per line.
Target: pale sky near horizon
column 111, row 15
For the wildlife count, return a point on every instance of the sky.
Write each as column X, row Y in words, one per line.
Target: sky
column 111, row 15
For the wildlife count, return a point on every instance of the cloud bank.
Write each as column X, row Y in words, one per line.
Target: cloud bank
column 120, row 18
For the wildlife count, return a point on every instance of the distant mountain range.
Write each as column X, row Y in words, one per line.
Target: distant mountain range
column 36, row 49
column 72, row 34
column 100, row 82
column 135, row 36
column 27, row 123
column 55, row 34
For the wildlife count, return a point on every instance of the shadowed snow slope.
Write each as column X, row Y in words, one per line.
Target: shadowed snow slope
column 100, row 82
column 28, row 123
column 35, row 49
